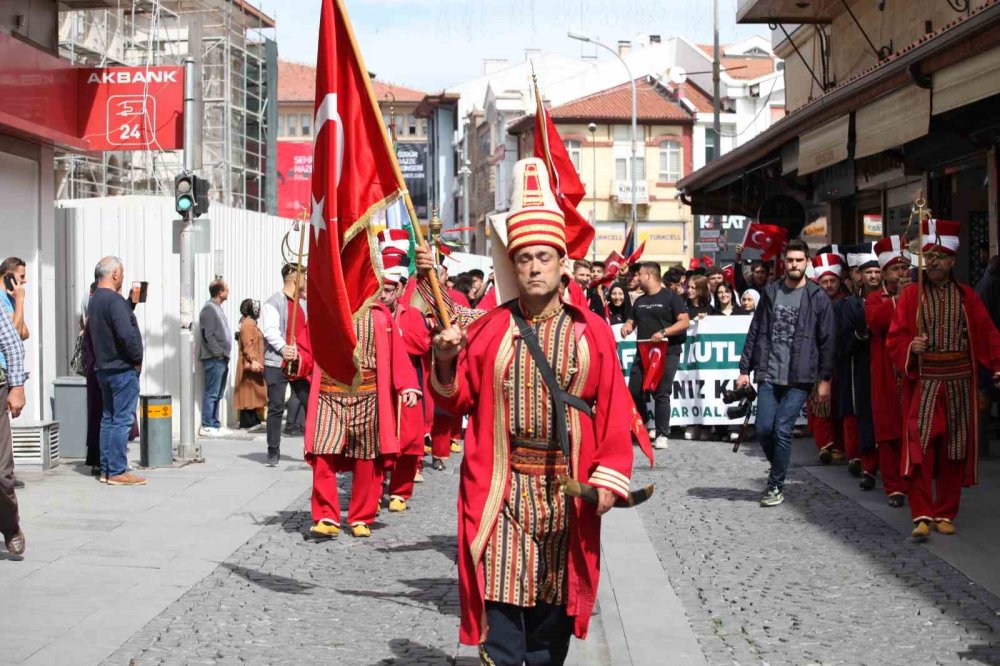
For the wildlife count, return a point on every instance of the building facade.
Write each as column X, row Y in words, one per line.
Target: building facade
column 597, row 133
column 873, row 124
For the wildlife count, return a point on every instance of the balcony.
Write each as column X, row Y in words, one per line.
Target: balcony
column 623, row 192
column 788, row 11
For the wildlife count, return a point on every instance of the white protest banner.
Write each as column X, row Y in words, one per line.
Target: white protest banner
column 709, row 366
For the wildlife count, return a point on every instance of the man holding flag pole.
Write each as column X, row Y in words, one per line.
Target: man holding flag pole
column 362, row 371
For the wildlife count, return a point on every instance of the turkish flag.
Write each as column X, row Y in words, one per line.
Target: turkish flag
column 354, row 176
column 707, row 261
column 768, row 238
column 729, row 275
column 654, row 358
column 566, row 184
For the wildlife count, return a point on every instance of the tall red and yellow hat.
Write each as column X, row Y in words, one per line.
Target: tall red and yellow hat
column 535, row 217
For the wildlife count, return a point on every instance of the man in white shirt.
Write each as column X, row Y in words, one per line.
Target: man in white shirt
column 275, row 315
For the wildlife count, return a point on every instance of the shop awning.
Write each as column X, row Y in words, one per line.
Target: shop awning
column 967, row 82
column 892, row 120
column 824, row 146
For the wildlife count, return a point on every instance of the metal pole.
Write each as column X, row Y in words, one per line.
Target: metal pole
column 635, row 150
column 634, row 128
column 187, row 448
column 465, row 179
column 716, row 101
column 593, row 194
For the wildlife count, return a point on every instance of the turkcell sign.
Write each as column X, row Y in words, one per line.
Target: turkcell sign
column 132, row 108
column 709, row 365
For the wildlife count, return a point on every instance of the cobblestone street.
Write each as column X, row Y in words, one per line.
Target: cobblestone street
column 281, row 599
column 819, row 580
column 816, row 580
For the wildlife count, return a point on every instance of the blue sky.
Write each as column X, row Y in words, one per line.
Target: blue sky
column 434, row 44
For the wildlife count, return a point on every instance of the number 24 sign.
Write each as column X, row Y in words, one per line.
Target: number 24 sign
column 132, row 108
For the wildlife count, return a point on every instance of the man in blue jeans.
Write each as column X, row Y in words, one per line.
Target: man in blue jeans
column 790, row 347
column 215, row 349
column 117, row 343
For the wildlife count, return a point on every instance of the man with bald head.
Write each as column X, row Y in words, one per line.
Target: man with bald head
column 118, row 361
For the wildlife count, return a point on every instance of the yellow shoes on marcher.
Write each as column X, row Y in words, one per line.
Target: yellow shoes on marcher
column 324, row 529
column 921, row 530
column 361, row 530
column 455, row 446
column 944, row 527
column 397, row 504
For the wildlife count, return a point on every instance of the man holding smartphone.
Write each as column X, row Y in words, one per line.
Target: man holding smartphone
column 12, row 401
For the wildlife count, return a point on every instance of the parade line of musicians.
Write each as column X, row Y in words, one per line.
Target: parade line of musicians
column 890, row 378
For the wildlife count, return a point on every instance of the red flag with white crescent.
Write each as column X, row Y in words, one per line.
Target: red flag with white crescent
column 654, row 356
column 354, row 176
column 565, row 181
column 768, row 238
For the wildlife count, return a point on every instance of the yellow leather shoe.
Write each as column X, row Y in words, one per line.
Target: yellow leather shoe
column 397, row 504
column 944, row 527
column 837, row 455
column 361, row 530
column 324, row 529
column 921, row 530
column 427, row 449
column 378, row 508
column 455, row 446
column 418, row 477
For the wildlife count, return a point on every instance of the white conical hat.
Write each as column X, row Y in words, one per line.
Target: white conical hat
column 535, row 217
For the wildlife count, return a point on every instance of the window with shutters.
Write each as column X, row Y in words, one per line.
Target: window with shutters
column 670, row 162
column 622, row 168
column 573, row 148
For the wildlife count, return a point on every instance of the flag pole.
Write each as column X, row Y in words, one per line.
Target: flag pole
column 417, row 231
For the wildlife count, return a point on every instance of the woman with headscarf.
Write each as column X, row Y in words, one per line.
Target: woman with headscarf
column 250, row 397
column 750, row 299
column 619, row 304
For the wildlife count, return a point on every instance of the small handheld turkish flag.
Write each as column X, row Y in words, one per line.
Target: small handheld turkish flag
column 768, row 238
column 653, row 355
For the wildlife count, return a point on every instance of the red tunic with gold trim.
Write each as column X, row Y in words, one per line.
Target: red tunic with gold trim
column 939, row 390
column 880, row 307
column 412, row 326
column 362, row 423
column 562, row 559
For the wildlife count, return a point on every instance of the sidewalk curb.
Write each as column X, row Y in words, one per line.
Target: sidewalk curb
column 644, row 620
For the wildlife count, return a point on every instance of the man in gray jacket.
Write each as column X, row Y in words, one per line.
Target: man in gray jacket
column 216, row 347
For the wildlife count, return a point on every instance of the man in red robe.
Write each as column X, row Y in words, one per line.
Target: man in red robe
column 886, row 393
column 416, row 340
column 528, row 554
column 354, row 428
column 830, row 429
column 936, row 340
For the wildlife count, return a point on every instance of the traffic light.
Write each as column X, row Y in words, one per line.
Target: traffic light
column 190, row 195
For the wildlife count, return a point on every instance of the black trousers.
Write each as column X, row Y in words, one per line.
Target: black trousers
column 661, row 396
column 276, row 382
column 517, row 636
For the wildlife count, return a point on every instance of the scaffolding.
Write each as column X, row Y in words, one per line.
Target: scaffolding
column 235, row 57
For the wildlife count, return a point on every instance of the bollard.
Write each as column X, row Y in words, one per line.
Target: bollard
column 156, row 431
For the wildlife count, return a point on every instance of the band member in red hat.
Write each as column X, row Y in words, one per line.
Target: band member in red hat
column 936, row 340
column 826, row 423
column 541, row 382
column 412, row 326
column 862, row 453
column 880, row 306
column 354, row 428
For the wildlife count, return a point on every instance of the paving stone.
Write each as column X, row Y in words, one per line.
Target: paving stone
column 817, row 580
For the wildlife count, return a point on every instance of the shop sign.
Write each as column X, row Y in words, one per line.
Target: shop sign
column 294, row 169
column 131, row 108
column 872, row 225
column 624, row 191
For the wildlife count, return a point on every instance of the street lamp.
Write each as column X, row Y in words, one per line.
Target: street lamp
column 592, row 128
column 572, row 34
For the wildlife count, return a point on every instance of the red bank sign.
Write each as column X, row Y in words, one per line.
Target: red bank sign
column 294, row 177
column 131, row 108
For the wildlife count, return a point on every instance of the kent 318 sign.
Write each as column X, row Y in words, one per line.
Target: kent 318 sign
column 132, row 108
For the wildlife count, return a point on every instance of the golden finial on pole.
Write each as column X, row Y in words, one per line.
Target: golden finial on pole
column 434, row 226
column 301, row 224
column 919, row 213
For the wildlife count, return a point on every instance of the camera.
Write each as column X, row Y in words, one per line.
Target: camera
column 744, row 396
